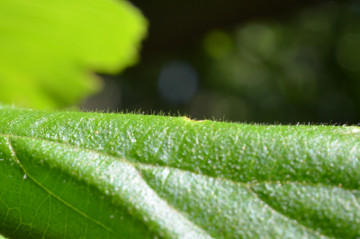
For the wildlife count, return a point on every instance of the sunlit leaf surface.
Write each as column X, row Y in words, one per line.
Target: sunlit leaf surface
column 48, row 49
column 91, row 175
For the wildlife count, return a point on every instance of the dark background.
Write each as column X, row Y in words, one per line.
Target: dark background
column 255, row 61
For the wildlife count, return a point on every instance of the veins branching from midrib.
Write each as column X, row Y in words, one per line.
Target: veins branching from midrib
column 66, row 203
column 54, row 195
column 309, row 229
column 135, row 164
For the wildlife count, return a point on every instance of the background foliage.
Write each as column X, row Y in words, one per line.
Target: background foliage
column 276, row 62
column 288, row 64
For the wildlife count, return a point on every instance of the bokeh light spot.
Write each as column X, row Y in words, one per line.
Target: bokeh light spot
column 177, row 82
column 218, row 44
column 259, row 39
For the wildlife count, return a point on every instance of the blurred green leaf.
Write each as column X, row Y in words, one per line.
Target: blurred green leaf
column 90, row 175
column 49, row 48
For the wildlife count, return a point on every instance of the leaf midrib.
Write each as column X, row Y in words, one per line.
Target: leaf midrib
column 136, row 164
column 246, row 186
column 53, row 194
column 8, row 137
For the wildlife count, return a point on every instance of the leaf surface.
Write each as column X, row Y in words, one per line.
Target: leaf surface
column 91, row 175
column 49, row 48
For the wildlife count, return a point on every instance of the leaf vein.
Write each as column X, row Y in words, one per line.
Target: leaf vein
column 309, row 229
column 54, row 195
column 184, row 214
column 66, row 144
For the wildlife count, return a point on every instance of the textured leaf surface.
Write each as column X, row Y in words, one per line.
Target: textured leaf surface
column 90, row 175
column 47, row 48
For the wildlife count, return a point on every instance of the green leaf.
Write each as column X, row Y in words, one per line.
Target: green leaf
column 91, row 175
column 49, row 48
